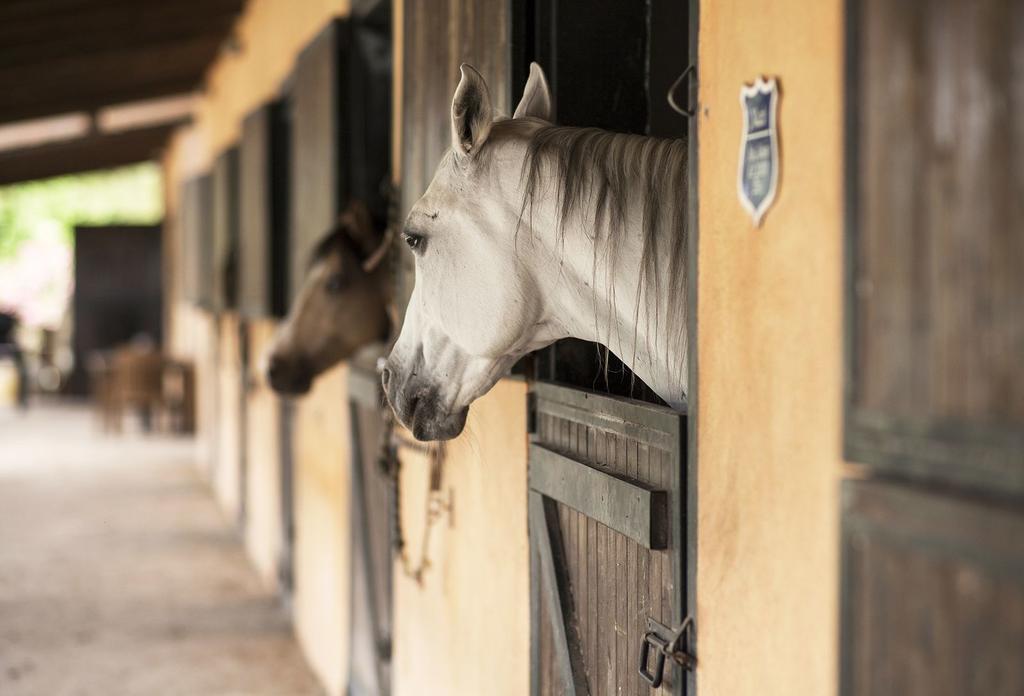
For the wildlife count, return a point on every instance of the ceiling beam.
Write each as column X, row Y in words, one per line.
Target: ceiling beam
column 96, row 99
column 95, row 35
column 96, row 151
column 105, row 79
column 16, row 10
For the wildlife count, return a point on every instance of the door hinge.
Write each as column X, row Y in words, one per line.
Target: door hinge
column 665, row 643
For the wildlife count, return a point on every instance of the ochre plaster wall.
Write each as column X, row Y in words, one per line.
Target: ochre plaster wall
column 322, row 528
column 227, row 471
column 270, row 34
column 769, row 316
column 263, row 524
column 466, row 628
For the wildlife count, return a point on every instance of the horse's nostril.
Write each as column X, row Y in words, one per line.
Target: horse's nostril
column 385, row 378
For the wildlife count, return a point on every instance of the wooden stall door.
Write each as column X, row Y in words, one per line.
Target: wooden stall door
column 263, row 211
column 368, row 110
column 319, row 135
column 933, row 542
column 225, row 230
column 286, row 561
column 476, row 32
column 372, row 506
column 609, row 521
column 607, row 537
column 196, row 216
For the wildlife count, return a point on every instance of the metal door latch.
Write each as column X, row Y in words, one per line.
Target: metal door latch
column 665, row 643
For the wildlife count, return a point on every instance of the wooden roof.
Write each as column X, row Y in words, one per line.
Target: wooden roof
column 78, row 56
column 61, row 56
column 94, row 151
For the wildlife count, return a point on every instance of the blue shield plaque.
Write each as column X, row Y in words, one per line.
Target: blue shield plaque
column 758, row 175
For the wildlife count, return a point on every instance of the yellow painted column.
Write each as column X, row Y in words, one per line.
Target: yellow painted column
column 465, row 628
column 770, row 347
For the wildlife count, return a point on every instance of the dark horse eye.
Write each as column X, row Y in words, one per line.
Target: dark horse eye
column 414, row 241
column 334, row 283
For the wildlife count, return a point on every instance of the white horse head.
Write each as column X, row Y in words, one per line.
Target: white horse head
column 530, row 233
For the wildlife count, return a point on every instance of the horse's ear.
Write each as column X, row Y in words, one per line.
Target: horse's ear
column 536, row 101
column 357, row 225
column 472, row 113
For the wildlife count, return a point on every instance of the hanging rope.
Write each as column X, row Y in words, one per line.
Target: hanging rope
column 436, row 507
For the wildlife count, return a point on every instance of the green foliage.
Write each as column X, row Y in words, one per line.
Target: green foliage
column 129, row 195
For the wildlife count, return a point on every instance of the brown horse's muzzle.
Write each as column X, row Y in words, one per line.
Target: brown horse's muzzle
column 290, row 376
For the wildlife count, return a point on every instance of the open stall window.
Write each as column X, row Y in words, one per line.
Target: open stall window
column 263, row 212
column 610, row 503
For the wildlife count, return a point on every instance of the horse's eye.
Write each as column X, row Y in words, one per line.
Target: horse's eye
column 414, row 241
column 335, row 283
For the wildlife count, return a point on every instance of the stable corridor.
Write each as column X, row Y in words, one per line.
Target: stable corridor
column 119, row 574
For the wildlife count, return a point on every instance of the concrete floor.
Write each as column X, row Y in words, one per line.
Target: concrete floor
column 119, row 575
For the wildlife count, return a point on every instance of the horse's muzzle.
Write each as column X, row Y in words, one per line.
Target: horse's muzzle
column 292, row 377
column 419, row 408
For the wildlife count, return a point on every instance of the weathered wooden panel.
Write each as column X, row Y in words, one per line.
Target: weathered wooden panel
column 319, row 133
column 475, row 32
column 934, row 597
column 196, row 228
column 615, row 583
column 372, row 561
column 263, row 211
column 255, row 203
column 935, row 200
column 368, row 108
column 225, row 231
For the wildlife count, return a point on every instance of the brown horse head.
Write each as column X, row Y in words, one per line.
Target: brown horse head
column 341, row 307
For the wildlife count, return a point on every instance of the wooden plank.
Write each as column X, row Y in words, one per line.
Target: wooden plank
column 116, row 77
column 319, row 185
column 225, row 230
column 961, row 628
column 196, row 221
column 39, row 39
column 254, row 171
column 372, row 526
column 476, row 33
column 263, row 211
column 934, row 389
column 626, row 507
column 627, row 416
column 62, row 57
column 94, row 151
column 547, row 540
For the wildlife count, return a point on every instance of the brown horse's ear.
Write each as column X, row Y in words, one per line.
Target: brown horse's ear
column 358, row 227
